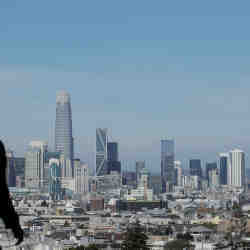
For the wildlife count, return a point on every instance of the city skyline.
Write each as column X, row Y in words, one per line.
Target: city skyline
column 128, row 164
column 143, row 72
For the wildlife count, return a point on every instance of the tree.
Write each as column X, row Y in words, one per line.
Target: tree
column 135, row 238
column 91, row 247
column 66, row 224
column 178, row 245
column 187, row 236
column 168, row 231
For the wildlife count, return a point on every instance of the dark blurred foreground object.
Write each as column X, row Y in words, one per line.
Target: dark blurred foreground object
column 7, row 211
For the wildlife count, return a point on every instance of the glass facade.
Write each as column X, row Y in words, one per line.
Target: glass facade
column 167, row 164
column 223, row 168
column 209, row 167
column 63, row 127
column 195, row 167
column 101, row 151
column 112, row 151
column 55, row 182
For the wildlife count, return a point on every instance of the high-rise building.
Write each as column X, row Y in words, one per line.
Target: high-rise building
column 113, row 166
column 195, row 167
column 167, row 164
column 213, row 178
column 20, row 171
column 178, row 173
column 209, row 167
column 113, row 163
column 101, row 151
column 112, row 151
column 63, row 127
column 223, row 168
column 35, row 159
column 81, row 178
column 11, row 169
column 55, row 179
column 236, row 168
column 66, row 167
column 139, row 165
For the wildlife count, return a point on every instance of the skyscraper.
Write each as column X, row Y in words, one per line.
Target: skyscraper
column 11, row 169
column 223, row 168
column 236, row 168
column 167, row 164
column 55, row 179
column 195, row 167
column 20, row 170
column 209, row 167
column 112, row 151
column 139, row 165
column 101, row 151
column 177, row 173
column 81, row 178
column 63, row 127
column 35, row 163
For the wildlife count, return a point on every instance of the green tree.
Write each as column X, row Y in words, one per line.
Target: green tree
column 91, row 247
column 178, row 245
column 135, row 238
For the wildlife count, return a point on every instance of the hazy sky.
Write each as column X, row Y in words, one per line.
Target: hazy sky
column 144, row 69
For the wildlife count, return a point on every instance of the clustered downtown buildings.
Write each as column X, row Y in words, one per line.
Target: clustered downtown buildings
column 231, row 170
column 56, row 191
column 58, row 173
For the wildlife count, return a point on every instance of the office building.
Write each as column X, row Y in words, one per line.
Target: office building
column 195, row 167
column 20, row 171
column 35, row 163
column 210, row 166
column 167, row 164
column 113, row 166
column 67, row 167
column 11, row 169
column 236, row 168
column 139, row 166
column 101, row 152
column 55, row 179
column 113, row 163
column 112, row 151
column 63, row 126
column 177, row 173
column 213, row 179
column 223, row 168
column 81, row 178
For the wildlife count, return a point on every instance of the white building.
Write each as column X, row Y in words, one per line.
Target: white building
column 213, row 178
column 192, row 182
column 140, row 193
column 236, row 168
column 66, row 165
column 35, row 164
column 81, row 178
column 178, row 173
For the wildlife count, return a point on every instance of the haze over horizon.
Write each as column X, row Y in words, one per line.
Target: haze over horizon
column 143, row 70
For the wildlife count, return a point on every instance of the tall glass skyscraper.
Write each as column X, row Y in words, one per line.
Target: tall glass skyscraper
column 63, row 127
column 167, row 164
column 223, row 168
column 195, row 167
column 101, row 151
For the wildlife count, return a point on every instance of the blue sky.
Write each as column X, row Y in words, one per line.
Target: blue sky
column 144, row 69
